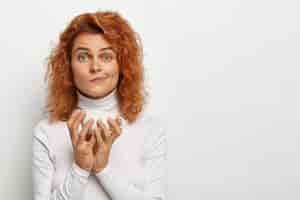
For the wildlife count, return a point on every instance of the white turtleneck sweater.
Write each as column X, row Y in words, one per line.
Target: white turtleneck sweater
column 137, row 162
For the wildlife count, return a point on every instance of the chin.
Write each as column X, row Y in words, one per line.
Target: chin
column 99, row 92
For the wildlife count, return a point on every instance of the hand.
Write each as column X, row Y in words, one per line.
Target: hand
column 105, row 137
column 82, row 143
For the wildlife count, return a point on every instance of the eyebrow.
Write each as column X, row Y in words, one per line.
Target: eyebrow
column 86, row 49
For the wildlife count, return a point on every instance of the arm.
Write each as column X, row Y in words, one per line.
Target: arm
column 43, row 170
column 119, row 186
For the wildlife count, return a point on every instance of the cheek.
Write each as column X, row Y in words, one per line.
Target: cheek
column 79, row 71
column 115, row 74
column 113, row 71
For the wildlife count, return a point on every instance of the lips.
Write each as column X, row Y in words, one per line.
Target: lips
column 99, row 78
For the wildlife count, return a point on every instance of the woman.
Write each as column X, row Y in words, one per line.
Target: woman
column 96, row 142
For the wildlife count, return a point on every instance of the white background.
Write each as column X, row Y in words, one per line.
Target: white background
column 224, row 75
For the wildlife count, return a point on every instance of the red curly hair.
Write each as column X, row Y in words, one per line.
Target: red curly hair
column 62, row 98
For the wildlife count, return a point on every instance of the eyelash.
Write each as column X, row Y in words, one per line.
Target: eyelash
column 101, row 55
column 81, row 55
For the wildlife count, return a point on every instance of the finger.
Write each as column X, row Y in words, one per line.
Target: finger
column 119, row 120
column 82, row 120
column 114, row 126
column 105, row 132
column 99, row 138
column 72, row 117
column 78, row 120
column 73, row 134
column 85, row 130
column 92, row 139
column 90, row 131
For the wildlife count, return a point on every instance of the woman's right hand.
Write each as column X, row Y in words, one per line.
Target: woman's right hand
column 82, row 143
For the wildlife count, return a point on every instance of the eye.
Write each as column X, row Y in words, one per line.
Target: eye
column 106, row 57
column 83, row 57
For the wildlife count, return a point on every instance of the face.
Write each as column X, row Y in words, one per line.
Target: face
column 93, row 57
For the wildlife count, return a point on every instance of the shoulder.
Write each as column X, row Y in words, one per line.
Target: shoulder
column 39, row 128
column 43, row 128
column 151, row 122
column 155, row 122
column 156, row 127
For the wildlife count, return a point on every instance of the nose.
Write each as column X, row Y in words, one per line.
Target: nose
column 95, row 65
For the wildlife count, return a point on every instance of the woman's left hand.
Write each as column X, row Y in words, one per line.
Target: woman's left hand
column 105, row 137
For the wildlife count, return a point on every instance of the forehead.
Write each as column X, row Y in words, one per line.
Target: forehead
column 92, row 41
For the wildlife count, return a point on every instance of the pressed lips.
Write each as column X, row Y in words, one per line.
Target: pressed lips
column 99, row 78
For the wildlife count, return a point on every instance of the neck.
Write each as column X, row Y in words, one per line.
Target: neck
column 100, row 108
column 105, row 103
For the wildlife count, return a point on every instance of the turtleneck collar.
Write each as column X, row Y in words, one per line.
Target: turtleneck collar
column 100, row 108
column 106, row 103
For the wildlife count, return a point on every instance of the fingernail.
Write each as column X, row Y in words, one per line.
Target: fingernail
column 101, row 124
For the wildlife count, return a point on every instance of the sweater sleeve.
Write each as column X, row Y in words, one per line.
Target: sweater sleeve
column 119, row 187
column 43, row 169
